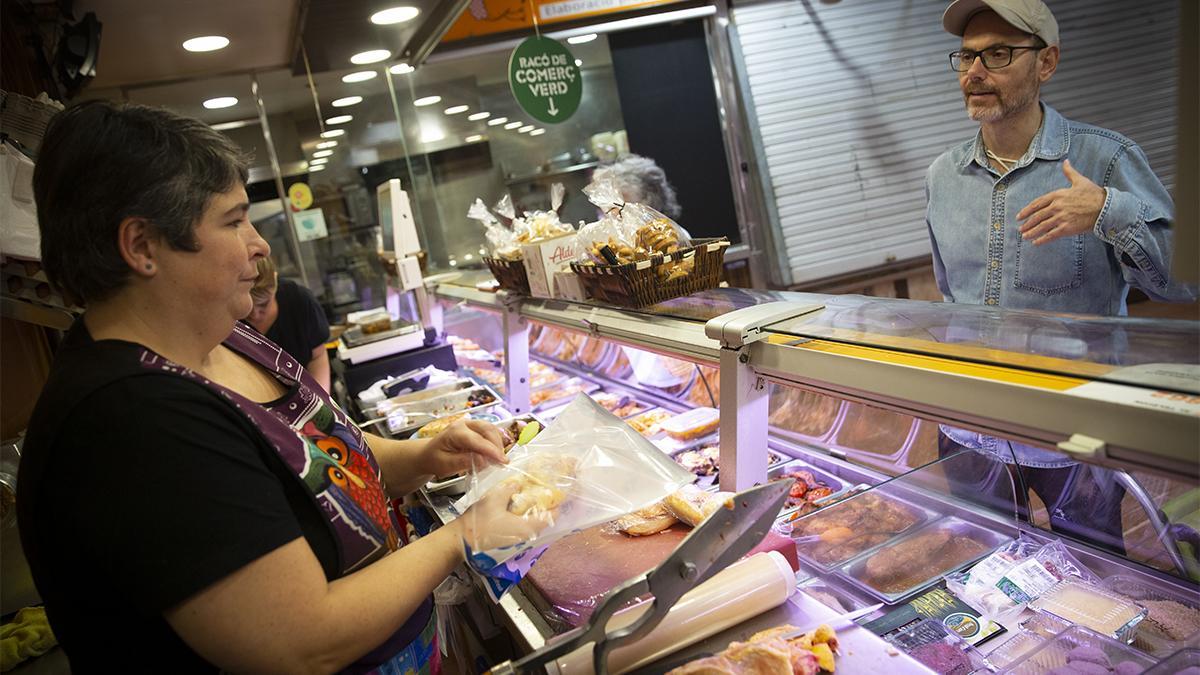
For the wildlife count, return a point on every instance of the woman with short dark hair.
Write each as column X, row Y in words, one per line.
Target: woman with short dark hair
column 187, row 491
column 291, row 317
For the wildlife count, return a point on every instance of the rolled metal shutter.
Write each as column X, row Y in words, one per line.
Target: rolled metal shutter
column 851, row 101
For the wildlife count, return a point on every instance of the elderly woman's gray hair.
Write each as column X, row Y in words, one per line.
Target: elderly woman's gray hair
column 642, row 181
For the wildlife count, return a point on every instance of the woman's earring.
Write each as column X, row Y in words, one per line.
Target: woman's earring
column 149, row 267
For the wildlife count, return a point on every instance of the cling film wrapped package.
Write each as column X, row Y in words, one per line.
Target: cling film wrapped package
column 502, row 241
column 631, row 232
column 535, row 226
column 1004, row 583
column 586, row 468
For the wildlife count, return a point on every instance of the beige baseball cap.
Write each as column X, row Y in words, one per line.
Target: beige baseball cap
column 1031, row 16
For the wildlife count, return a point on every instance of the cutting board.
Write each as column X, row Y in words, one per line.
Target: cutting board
column 573, row 574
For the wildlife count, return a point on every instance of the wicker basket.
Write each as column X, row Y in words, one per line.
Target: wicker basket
column 510, row 274
column 637, row 284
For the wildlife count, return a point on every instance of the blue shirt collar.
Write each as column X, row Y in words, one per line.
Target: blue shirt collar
column 1052, row 141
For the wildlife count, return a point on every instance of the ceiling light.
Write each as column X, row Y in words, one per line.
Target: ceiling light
column 578, row 63
column 456, row 109
column 394, row 15
column 339, row 119
column 513, row 125
column 318, row 167
column 473, row 139
column 333, row 133
column 401, row 69
column 431, row 134
column 525, row 129
column 580, row 39
column 220, row 102
column 370, row 56
column 317, row 161
column 475, row 117
column 360, row 76
column 498, row 121
column 207, row 43
column 427, row 100
column 236, row 124
column 326, row 144
column 537, row 132
column 348, row 100
column 322, row 153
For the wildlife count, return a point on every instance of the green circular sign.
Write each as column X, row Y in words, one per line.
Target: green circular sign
column 545, row 80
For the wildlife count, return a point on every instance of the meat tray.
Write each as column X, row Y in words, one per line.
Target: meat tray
column 836, row 485
column 775, row 458
column 1148, row 638
column 856, row 571
column 1057, row 652
column 806, row 551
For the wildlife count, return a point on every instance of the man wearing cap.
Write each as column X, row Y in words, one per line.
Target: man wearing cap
column 1039, row 212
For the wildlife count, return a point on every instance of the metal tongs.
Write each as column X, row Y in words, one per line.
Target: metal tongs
column 722, row 539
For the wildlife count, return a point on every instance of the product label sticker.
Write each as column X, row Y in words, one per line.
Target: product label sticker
column 1027, row 581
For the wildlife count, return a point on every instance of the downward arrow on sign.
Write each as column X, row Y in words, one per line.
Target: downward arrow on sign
column 552, row 109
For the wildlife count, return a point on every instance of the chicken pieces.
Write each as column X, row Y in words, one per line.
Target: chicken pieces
column 869, row 518
column 544, row 485
column 768, row 653
column 650, row 520
column 910, row 562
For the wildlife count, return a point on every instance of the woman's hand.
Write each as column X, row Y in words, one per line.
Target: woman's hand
column 462, row 444
column 488, row 524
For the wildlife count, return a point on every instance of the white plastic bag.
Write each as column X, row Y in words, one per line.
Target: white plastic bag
column 586, row 468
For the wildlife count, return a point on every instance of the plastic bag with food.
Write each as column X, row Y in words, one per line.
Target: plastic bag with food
column 541, row 225
column 586, row 468
column 502, row 241
column 1001, row 585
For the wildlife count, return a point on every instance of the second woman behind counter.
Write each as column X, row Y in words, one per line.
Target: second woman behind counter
column 290, row 316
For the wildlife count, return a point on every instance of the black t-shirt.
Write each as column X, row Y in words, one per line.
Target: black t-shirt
column 301, row 324
column 138, row 491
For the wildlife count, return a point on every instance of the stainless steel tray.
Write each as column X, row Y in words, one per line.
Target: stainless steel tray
column 1054, row 653
column 423, row 412
column 854, row 570
column 924, row 515
column 354, row 337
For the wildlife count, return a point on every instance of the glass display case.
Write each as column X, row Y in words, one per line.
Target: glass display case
column 861, row 395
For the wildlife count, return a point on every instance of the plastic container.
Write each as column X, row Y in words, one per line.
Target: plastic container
column 621, row 405
column 925, row 573
column 1182, row 662
column 1149, row 636
column 649, row 423
column 836, row 597
column 938, row 648
column 1093, row 607
column 693, row 424
column 858, row 513
column 1045, row 625
column 562, row 393
column 1057, row 652
column 1020, row 645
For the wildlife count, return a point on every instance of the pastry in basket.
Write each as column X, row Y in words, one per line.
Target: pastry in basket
column 650, row 520
column 692, row 505
column 659, row 236
column 544, row 485
column 770, row 653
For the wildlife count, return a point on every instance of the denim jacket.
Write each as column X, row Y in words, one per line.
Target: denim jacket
column 980, row 258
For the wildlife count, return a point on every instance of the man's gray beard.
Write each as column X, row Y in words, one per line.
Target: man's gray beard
column 1003, row 108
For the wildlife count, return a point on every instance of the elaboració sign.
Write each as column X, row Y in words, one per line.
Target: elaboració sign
column 545, row 80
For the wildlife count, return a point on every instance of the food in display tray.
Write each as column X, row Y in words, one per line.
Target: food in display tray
column 1045, row 625
column 768, row 652
column 693, row 424
column 1172, row 619
column 488, row 376
column 648, row 423
column 1101, row 610
column 809, row 485
column 593, row 352
column 1020, row 645
column 898, row 570
column 854, row 525
column 403, row 415
column 1182, row 662
column 706, row 389
column 560, row 393
column 1079, row 651
column 705, row 460
column 545, row 378
column 621, row 405
column 938, row 648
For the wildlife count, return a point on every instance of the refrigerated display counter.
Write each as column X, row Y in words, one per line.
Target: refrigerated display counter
column 858, row 390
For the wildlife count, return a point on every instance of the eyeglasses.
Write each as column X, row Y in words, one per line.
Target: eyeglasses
column 994, row 57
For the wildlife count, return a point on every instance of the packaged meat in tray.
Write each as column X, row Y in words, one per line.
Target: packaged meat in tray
column 512, row 430
column 1099, row 609
column 938, row 648
column 896, row 571
column 1079, row 650
column 1172, row 618
column 693, row 424
column 854, row 525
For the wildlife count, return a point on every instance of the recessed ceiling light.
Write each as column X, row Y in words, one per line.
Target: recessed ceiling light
column 474, row 138
column 322, row 153
column 339, row 119
column 348, row 100
column 394, row 15
column 333, row 133
column 475, row 117
column 456, row 109
column 206, row 43
column 427, row 100
column 497, row 121
column 578, row 63
column 513, row 125
column 318, row 160
column 370, row 56
column 401, row 69
column 360, row 76
column 580, row 39
column 220, row 102
column 525, row 129
column 326, row 144
column 537, row 132
column 317, row 167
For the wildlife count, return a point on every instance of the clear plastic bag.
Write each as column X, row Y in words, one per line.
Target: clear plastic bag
column 502, row 241
column 586, row 468
column 1004, row 583
column 633, row 232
